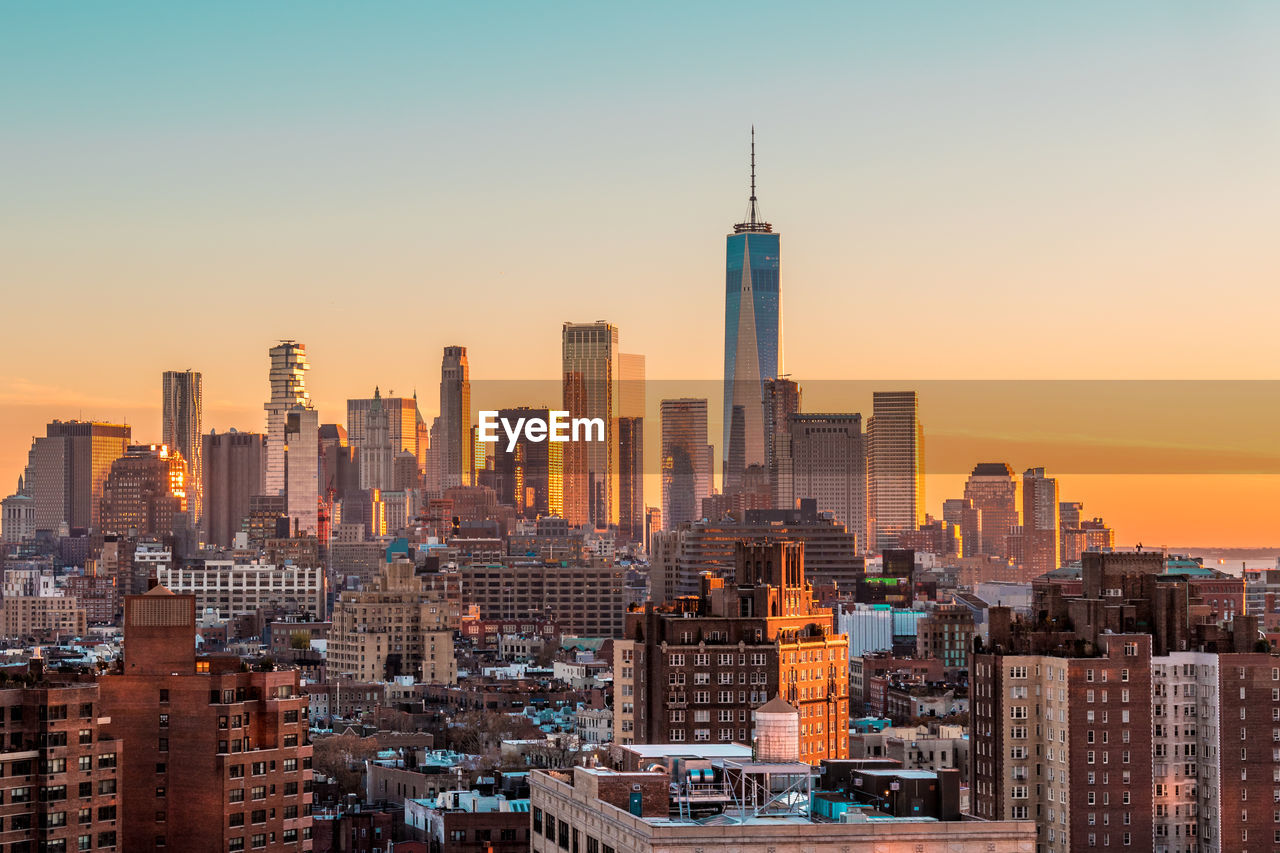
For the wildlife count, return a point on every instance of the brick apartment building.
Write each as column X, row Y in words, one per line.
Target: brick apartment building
column 215, row 758
column 1128, row 715
column 58, row 770
column 694, row 669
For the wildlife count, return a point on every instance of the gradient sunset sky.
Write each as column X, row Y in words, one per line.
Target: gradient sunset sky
column 964, row 191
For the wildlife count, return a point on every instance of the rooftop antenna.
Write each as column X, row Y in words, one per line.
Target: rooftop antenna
column 754, row 223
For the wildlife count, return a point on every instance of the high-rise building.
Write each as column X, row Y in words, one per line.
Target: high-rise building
column 376, row 450
column 961, row 513
column 993, row 492
column 686, row 460
column 521, row 474
column 405, row 426
column 454, row 442
column 18, row 523
column 302, row 463
column 233, row 469
column 402, row 626
column 66, row 469
column 752, row 336
column 181, row 428
column 60, row 768
column 695, row 670
column 895, row 445
column 288, row 389
column 1128, row 715
column 145, row 492
column 781, row 400
column 1039, row 535
column 214, row 757
column 631, row 405
column 589, row 367
column 826, row 459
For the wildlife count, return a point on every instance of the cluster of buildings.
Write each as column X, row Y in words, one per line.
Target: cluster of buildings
column 395, row 634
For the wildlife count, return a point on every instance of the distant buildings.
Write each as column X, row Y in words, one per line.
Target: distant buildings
column 451, row 436
column 687, row 460
column 824, row 457
column 233, row 589
column 993, row 493
column 288, row 390
column 181, row 425
column 144, row 493
column 67, row 468
column 302, row 462
column 896, row 468
column 234, row 465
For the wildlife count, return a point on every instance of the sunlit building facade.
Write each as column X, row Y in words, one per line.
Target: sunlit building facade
column 288, row 389
column 896, row 454
column 181, row 427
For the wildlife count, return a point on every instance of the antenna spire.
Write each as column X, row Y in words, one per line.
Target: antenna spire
column 754, row 221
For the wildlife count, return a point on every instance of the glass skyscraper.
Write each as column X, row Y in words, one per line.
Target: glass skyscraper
column 752, row 336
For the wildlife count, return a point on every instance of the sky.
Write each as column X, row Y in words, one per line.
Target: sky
column 995, row 191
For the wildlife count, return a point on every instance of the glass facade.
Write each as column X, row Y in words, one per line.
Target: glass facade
column 751, row 268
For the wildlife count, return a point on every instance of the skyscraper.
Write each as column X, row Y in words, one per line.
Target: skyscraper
column 686, row 460
column 1040, row 531
column 752, row 336
column 302, row 464
column 590, row 364
column 181, row 428
column 144, row 492
column 631, row 397
column 375, row 452
column 288, row 389
column 233, row 463
column 781, row 400
column 66, row 469
column 993, row 491
column 454, row 443
column 826, row 456
column 522, row 474
column 896, row 453
column 405, row 425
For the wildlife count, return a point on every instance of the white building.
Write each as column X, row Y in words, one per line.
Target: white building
column 239, row 589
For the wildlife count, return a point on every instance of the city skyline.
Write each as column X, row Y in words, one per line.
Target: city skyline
column 1061, row 207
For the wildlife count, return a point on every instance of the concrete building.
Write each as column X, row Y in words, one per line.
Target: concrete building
column 895, row 446
column 584, row 600
column 66, row 470
column 402, row 626
column 214, row 758
column 302, row 464
column 452, row 445
column 825, row 459
column 288, row 390
column 613, row 811
column 946, row 634
column 18, row 519
column 242, row 589
column 234, row 464
column 993, row 492
column 42, row 618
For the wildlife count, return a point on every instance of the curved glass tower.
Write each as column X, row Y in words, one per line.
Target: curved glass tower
column 752, row 333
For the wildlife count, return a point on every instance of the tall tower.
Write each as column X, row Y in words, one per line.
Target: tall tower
column 302, row 464
column 288, row 389
column 589, row 368
column 455, row 419
column 181, row 430
column 896, row 443
column 752, row 336
column 994, row 493
column 1040, row 530
column 686, row 460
